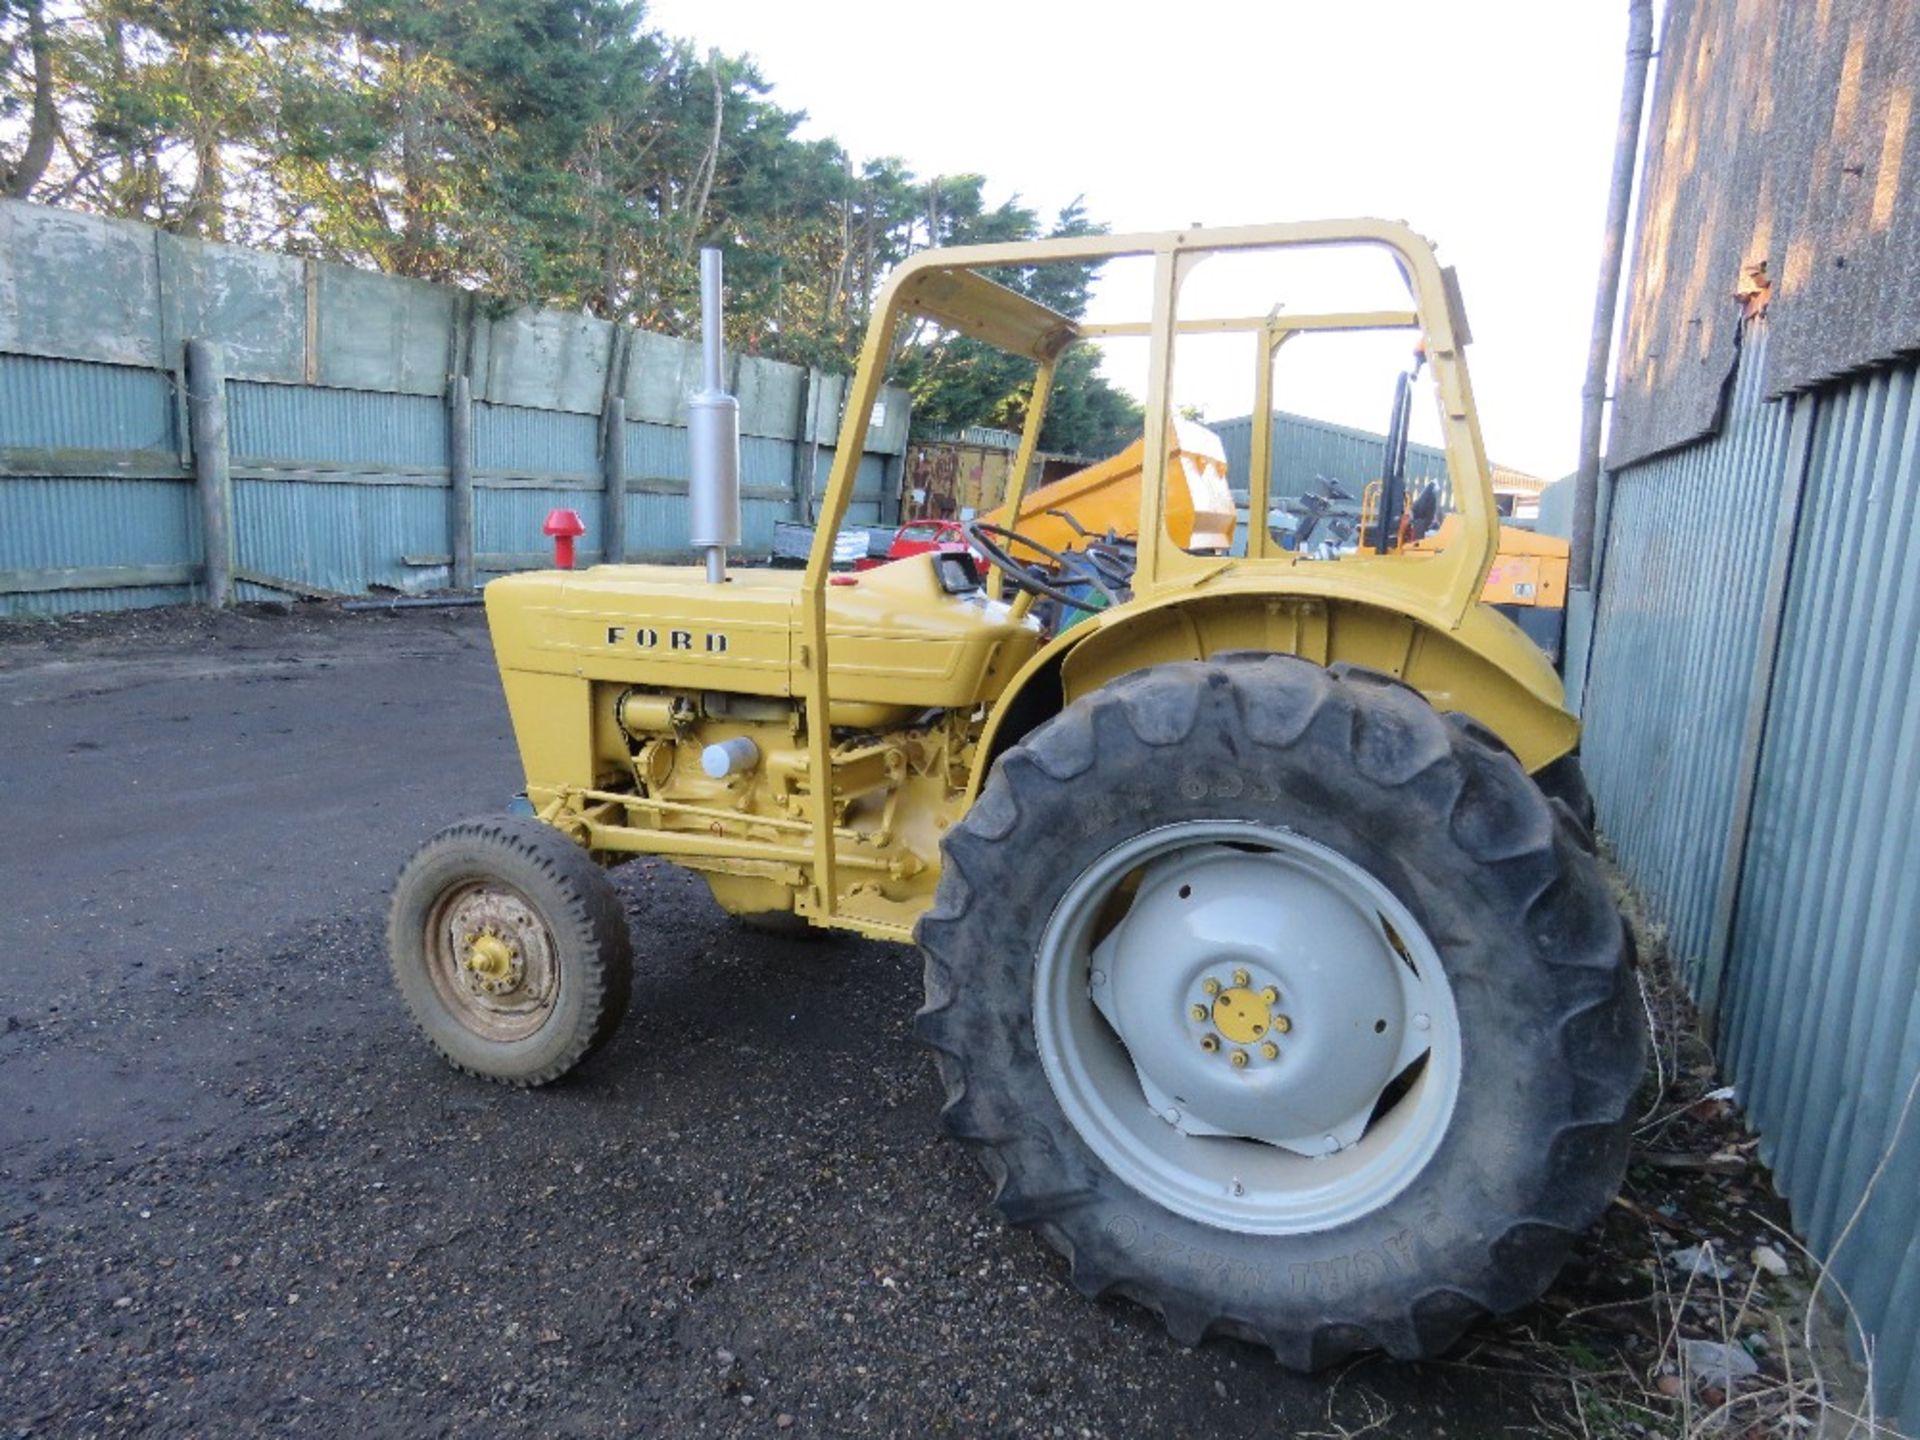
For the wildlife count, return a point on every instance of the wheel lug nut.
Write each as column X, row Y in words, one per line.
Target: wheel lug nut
column 1270, row 995
column 1240, row 977
column 1421, row 1022
column 1198, row 1012
column 1281, row 1024
column 1209, row 1043
column 1210, row 985
column 1270, row 1050
column 1239, row 1058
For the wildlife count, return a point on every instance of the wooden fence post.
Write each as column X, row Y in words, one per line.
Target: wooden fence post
column 613, row 500
column 460, row 473
column 212, row 473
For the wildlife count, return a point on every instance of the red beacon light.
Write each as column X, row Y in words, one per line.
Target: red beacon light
column 564, row 526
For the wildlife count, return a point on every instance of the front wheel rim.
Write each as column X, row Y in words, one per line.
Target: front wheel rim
column 493, row 961
column 1246, row 1027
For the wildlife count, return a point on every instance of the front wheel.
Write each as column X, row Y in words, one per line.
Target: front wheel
column 1314, row 1027
column 511, row 949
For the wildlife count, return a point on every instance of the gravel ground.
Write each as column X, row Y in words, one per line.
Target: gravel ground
column 239, row 1195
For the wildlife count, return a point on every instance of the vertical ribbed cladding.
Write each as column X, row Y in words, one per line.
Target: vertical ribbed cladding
column 339, row 451
column 1819, row 1022
column 515, row 443
column 1690, row 541
column 713, row 437
column 289, row 423
column 86, row 522
column 1822, row 1030
column 343, row 537
column 71, row 404
column 123, row 415
column 869, row 488
column 1304, row 448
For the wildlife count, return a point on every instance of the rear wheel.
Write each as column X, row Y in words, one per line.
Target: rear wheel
column 1315, row 1028
column 1565, row 781
column 511, row 949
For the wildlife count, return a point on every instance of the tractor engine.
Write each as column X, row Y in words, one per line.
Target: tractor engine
column 734, row 766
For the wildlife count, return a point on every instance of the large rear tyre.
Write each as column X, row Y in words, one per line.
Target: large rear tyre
column 1283, row 1007
column 511, row 949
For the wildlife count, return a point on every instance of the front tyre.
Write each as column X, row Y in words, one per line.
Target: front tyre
column 1311, row 1027
column 511, row 949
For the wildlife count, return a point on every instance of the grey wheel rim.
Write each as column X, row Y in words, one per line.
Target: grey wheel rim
column 1246, row 1027
column 493, row 961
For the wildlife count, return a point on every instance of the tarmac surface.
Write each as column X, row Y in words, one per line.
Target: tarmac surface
column 239, row 1195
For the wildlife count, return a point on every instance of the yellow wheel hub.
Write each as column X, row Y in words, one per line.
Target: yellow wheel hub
column 1242, row 1015
column 492, row 962
column 490, row 957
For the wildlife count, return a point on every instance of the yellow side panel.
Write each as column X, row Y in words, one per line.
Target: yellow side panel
column 553, row 723
column 894, row 636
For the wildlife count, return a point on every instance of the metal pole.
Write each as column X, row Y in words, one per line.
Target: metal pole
column 803, row 462
column 613, row 502
column 212, row 477
column 710, row 341
column 713, row 438
column 1593, row 395
column 460, row 473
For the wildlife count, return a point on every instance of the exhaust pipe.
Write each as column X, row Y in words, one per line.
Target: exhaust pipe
column 713, row 438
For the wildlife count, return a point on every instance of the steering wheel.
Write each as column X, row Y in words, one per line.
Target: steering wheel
column 991, row 540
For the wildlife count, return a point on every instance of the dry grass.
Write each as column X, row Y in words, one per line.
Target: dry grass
column 1612, row 1351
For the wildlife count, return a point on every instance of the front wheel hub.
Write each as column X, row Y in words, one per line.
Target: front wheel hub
column 494, row 960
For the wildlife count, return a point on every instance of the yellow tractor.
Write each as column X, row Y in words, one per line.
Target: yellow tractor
column 1266, row 978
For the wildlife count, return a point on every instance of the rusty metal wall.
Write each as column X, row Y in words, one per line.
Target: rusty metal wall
column 1753, row 739
column 954, row 478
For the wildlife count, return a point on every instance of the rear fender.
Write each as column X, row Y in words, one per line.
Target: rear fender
column 1484, row 668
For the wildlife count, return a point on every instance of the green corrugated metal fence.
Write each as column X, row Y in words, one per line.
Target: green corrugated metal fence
column 337, row 398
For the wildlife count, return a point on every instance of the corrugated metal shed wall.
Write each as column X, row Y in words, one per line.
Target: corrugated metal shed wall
column 1305, row 448
column 1689, row 537
column 1819, row 989
column 1822, row 1020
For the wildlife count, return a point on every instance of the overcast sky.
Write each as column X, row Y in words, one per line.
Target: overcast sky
column 1486, row 124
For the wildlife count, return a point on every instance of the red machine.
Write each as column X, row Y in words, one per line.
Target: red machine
column 916, row 537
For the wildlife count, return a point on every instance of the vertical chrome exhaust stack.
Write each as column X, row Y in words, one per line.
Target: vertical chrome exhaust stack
column 713, row 438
